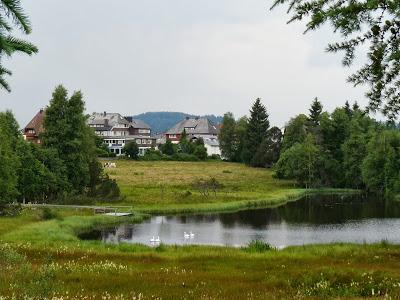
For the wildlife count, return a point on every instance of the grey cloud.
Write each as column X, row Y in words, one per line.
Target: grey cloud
column 194, row 56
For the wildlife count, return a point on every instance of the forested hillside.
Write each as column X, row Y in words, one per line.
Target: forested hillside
column 163, row 120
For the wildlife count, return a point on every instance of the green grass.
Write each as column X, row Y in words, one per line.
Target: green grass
column 166, row 187
column 44, row 259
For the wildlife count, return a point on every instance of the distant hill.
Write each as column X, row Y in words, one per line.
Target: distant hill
column 162, row 121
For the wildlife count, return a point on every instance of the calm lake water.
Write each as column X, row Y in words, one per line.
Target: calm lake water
column 317, row 219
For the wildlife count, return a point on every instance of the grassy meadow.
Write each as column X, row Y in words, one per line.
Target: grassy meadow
column 44, row 259
column 42, row 256
column 158, row 187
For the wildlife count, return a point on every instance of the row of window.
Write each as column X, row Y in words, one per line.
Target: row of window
column 122, row 142
column 119, row 151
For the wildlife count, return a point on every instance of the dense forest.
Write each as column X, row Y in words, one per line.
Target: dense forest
column 63, row 168
column 343, row 149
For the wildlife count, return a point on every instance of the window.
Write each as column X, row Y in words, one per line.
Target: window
column 172, row 136
column 149, row 141
column 143, row 141
column 138, row 141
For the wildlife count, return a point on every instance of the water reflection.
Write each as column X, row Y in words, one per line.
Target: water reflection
column 321, row 219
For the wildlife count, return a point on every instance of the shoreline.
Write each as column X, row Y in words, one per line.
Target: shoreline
column 235, row 206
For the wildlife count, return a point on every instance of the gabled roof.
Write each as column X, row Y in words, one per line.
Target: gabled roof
column 136, row 123
column 194, row 126
column 37, row 122
column 112, row 119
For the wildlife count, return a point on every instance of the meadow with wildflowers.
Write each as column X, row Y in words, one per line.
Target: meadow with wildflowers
column 45, row 259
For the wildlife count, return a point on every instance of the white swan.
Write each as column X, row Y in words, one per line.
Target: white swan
column 191, row 235
column 157, row 240
column 152, row 240
column 186, row 235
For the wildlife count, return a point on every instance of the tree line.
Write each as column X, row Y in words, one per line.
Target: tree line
column 250, row 140
column 185, row 150
column 64, row 166
column 343, row 149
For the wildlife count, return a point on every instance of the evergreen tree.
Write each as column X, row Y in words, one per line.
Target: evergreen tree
column 354, row 152
column 9, row 45
column 65, row 130
column 257, row 130
column 228, row 142
column 315, row 112
column 268, row 152
column 9, row 161
column 348, row 109
column 31, row 174
column 371, row 24
column 56, row 184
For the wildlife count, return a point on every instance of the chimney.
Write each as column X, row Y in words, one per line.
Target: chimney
column 105, row 113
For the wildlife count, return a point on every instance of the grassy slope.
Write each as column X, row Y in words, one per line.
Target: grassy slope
column 57, row 262
column 163, row 186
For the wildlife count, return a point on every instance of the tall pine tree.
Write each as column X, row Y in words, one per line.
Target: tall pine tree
column 65, row 130
column 256, row 132
column 315, row 112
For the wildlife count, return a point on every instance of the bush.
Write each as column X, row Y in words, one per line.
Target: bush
column 152, row 155
column 258, row 246
column 184, row 157
column 215, row 157
column 49, row 214
column 201, row 152
column 206, row 186
column 108, row 189
column 10, row 210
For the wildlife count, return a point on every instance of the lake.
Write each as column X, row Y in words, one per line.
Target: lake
column 314, row 219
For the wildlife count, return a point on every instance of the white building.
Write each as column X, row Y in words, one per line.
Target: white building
column 117, row 130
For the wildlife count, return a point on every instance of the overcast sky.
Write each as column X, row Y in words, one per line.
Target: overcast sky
column 199, row 57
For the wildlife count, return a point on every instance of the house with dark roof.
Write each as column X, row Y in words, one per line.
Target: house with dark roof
column 34, row 128
column 117, row 130
column 196, row 128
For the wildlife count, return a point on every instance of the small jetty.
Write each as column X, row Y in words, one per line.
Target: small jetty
column 117, row 214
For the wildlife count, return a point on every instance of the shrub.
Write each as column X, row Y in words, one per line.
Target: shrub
column 258, row 246
column 184, row 157
column 206, row 186
column 152, row 155
column 49, row 214
column 131, row 150
column 200, row 152
column 10, row 210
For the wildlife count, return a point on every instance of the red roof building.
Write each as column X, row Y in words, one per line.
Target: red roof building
column 34, row 128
